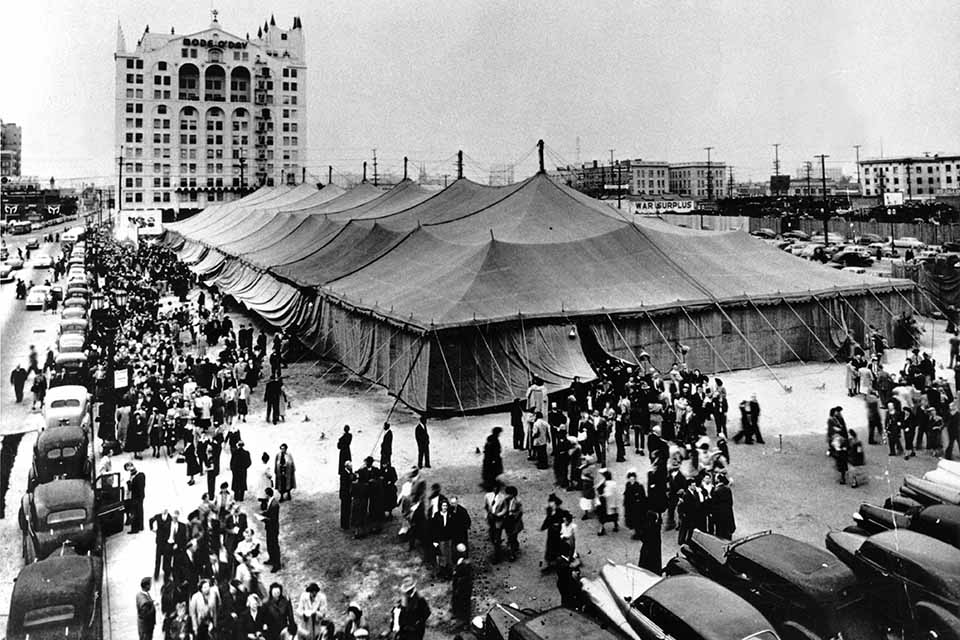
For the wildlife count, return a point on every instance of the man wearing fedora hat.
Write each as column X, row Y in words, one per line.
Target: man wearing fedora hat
column 411, row 613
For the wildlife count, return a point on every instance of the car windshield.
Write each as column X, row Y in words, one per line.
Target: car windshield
column 48, row 615
column 66, row 516
column 68, row 402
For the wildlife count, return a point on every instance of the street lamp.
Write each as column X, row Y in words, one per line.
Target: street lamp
column 99, row 302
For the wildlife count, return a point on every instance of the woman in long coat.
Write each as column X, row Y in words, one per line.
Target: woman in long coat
column 634, row 504
column 284, row 473
column 193, row 461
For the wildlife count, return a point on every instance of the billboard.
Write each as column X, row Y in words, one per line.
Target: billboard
column 779, row 184
column 134, row 224
column 893, row 199
column 653, row 207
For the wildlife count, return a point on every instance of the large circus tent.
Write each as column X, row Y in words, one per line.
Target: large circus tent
column 453, row 299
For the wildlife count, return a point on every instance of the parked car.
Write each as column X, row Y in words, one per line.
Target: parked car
column 885, row 249
column 797, row 247
column 951, row 246
column 71, row 343
column 57, row 598
column 6, row 273
column 908, row 242
column 76, row 301
column 70, row 369
column 70, row 511
column 15, row 262
column 797, row 234
column 805, row 590
column 67, row 405
column 60, row 453
column 912, row 580
column 870, row 238
column 852, row 257
column 74, row 325
column 764, row 233
column 686, row 606
column 940, row 521
column 36, row 296
column 505, row 622
column 33, row 243
column 73, row 312
column 43, row 262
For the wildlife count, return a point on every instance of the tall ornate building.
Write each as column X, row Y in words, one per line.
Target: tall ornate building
column 205, row 117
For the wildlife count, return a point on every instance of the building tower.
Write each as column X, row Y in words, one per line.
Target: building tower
column 205, row 117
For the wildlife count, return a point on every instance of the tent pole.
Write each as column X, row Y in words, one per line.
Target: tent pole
column 779, row 335
column 910, row 304
column 624, row 340
column 662, row 337
column 754, row 349
column 812, row 332
column 866, row 325
column 526, row 356
column 705, row 338
column 885, row 307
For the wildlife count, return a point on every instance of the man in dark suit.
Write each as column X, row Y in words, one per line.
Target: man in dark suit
column 137, row 490
column 146, row 611
column 161, row 525
column 343, row 446
column 386, row 447
column 271, row 395
column 423, row 443
column 271, row 525
column 239, row 463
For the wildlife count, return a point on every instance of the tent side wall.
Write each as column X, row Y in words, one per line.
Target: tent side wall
column 830, row 320
column 383, row 352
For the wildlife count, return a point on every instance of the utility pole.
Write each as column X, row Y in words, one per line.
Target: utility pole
column 809, row 167
column 823, row 181
column 859, row 186
column 730, row 184
column 618, row 183
column 445, row 176
column 709, row 175
column 603, row 189
column 459, row 164
column 375, row 176
column 776, row 158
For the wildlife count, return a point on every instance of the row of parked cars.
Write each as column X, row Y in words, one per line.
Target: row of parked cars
column 856, row 254
column 893, row 573
column 67, row 509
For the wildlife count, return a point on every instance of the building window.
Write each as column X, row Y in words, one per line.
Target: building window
column 139, row 64
column 138, row 197
column 129, row 63
column 920, row 190
column 162, row 66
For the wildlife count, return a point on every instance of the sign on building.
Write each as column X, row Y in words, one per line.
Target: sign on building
column 653, row 207
column 893, row 199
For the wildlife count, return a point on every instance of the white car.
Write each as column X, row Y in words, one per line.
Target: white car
column 15, row 262
column 6, row 273
column 908, row 242
column 36, row 296
column 43, row 262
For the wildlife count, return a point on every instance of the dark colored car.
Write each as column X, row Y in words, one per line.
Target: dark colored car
column 940, row 521
column 63, row 452
column 951, row 246
column 796, row 234
column 70, row 512
column 505, row 622
column 57, row 598
column 911, row 580
column 805, row 590
column 849, row 258
column 688, row 607
column 870, row 238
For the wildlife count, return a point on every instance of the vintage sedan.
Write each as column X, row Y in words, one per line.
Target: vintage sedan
column 806, row 590
column 37, row 296
column 63, row 452
column 911, row 580
column 15, row 262
column 71, row 343
column 940, row 521
column 6, row 273
column 70, row 511
column 74, row 325
column 70, row 369
column 67, row 405
column 42, row 262
column 73, row 312
column 507, row 622
column 76, row 301
column 57, row 598
column 643, row 605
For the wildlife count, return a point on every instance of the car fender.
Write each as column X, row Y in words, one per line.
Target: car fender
column 792, row 630
column 933, row 617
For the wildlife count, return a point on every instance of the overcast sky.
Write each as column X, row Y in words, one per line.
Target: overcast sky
column 655, row 80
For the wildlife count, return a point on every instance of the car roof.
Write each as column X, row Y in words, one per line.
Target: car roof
column 66, row 391
column 56, row 580
column 714, row 612
column 816, row 571
column 942, row 515
column 63, row 494
column 59, row 436
column 937, row 558
column 560, row 624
